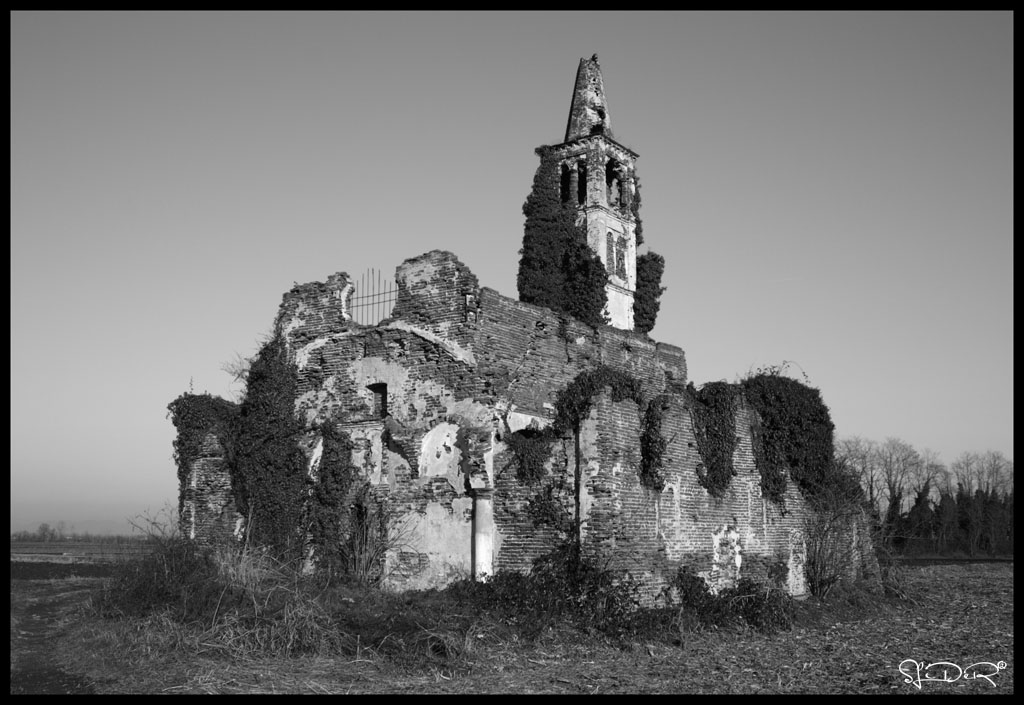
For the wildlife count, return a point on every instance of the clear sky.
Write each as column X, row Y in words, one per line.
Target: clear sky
column 832, row 189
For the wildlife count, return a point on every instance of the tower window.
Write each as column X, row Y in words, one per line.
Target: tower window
column 581, row 184
column 614, row 178
column 566, row 184
column 380, row 399
column 620, row 257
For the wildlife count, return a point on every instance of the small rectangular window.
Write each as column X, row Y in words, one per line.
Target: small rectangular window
column 380, row 399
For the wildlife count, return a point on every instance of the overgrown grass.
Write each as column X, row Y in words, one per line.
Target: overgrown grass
column 455, row 641
column 239, row 602
column 763, row 608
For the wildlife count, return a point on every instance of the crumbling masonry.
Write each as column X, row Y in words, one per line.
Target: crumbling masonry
column 431, row 395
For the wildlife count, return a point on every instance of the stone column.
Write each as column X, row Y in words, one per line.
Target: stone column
column 483, row 533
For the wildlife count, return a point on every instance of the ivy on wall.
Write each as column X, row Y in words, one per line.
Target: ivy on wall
column 796, row 432
column 791, row 435
column 532, row 448
column 269, row 472
column 647, row 301
column 557, row 268
column 328, row 519
column 573, row 404
column 713, row 412
column 194, row 416
column 653, row 444
column 770, row 463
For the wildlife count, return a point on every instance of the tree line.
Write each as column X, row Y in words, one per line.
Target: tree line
column 47, row 533
column 922, row 506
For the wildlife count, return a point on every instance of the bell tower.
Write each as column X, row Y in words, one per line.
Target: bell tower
column 598, row 176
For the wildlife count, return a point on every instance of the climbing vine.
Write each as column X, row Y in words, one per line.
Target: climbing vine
column 269, row 470
column 194, row 416
column 634, row 207
column 557, row 268
column 647, row 301
column 573, row 404
column 769, row 462
column 713, row 411
column 531, row 448
column 795, row 432
column 653, row 444
column 328, row 511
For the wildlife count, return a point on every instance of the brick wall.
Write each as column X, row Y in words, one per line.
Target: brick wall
column 462, row 367
column 311, row 311
column 208, row 512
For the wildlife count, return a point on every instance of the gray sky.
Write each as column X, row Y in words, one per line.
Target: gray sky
column 829, row 189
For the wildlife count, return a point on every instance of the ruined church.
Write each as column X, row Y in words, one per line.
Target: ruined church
column 436, row 396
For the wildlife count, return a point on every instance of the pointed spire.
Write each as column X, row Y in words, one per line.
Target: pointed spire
column 588, row 114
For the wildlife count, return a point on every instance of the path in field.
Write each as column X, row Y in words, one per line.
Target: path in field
column 35, row 617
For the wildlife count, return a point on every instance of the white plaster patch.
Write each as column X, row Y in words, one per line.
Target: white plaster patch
column 796, row 579
column 445, row 537
column 586, row 500
column 472, row 412
column 453, row 348
column 314, row 458
column 345, row 295
column 727, row 556
column 303, row 353
column 367, row 455
column 488, row 465
column 402, row 390
column 668, row 522
column 439, row 456
column 396, row 465
column 371, row 370
column 518, row 421
column 295, row 321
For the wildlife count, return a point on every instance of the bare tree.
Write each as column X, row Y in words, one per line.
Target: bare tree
column 995, row 473
column 238, row 368
column 928, row 474
column 966, row 469
column 897, row 463
column 860, row 455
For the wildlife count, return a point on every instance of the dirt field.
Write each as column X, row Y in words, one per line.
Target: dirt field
column 963, row 616
column 76, row 551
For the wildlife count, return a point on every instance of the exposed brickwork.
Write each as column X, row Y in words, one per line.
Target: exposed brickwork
column 460, row 366
column 209, row 514
column 438, row 293
column 310, row 311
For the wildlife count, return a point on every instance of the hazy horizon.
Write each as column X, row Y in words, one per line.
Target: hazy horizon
column 830, row 189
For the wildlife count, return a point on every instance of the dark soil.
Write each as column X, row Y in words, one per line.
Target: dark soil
column 36, row 617
column 50, row 571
